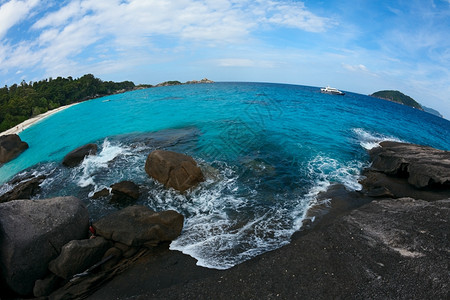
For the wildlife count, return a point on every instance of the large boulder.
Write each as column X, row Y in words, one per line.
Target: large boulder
column 78, row 255
column 140, row 226
column 75, row 157
column 32, row 233
column 124, row 192
column 11, row 146
column 173, row 169
column 24, row 190
column 423, row 166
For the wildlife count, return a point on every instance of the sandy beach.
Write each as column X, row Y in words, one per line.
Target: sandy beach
column 25, row 124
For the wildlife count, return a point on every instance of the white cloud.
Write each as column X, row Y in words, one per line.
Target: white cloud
column 13, row 12
column 70, row 37
column 295, row 15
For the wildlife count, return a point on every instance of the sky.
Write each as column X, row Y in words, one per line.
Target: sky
column 361, row 46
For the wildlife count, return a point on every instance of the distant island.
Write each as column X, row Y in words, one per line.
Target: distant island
column 432, row 111
column 399, row 97
column 26, row 100
column 175, row 82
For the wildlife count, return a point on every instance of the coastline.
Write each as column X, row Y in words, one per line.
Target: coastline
column 30, row 122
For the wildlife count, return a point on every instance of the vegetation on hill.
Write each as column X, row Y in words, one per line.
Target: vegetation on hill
column 21, row 102
column 398, row 97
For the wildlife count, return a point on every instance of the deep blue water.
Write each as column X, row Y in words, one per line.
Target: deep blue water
column 266, row 150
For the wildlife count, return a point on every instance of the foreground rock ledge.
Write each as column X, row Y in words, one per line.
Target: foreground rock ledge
column 387, row 249
column 173, row 169
column 32, row 233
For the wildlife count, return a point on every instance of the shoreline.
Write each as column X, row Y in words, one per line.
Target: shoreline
column 30, row 122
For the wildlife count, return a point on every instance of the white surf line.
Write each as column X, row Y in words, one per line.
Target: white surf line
column 27, row 123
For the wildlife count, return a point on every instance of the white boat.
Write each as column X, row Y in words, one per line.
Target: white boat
column 332, row 91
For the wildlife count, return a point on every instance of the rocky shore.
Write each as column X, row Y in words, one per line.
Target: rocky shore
column 388, row 241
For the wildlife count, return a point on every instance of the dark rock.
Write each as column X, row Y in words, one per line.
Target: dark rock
column 387, row 249
column 398, row 187
column 24, row 190
column 116, row 256
column 78, row 255
column 102, row 193
column 173, row 169
column 11, row 146
column 422, row 166
column 75, row 157
column 32, row 233
column 140, row 226
column 380, row 192
column 124, row 192
column 44, row 287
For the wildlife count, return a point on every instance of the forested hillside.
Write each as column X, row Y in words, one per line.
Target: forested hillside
column 398, row 97
column 20, row 102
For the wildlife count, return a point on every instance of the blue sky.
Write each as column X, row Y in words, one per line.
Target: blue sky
column 361, row 46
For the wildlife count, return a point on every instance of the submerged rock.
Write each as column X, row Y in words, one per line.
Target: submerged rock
column 75, row 157
column 140, row 226
column 173, row 169
column 24, row 190
column 11, row 146
column 32, row 234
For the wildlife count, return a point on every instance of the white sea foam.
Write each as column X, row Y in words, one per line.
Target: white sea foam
column 369, row 140
column 92, row 164
column 224, row 227
column 325, row 170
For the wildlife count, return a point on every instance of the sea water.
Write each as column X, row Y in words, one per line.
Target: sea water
column 266, row 151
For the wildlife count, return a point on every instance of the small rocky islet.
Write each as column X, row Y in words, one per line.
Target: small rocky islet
column 388, row 240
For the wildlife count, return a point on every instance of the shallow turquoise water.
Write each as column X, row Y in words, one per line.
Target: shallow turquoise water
column 266, row 149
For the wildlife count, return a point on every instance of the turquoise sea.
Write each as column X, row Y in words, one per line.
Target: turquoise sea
column 267, row 150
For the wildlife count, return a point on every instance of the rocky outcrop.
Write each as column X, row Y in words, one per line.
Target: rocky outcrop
column 124, row 192
column 140, row 226
column 204, row 80
column 423, row 166
column 11, row 146
column 78, row 255
column 173, row 169
column 75, row 157
column 24, row 190
column 408, row 170
column 32, row 234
